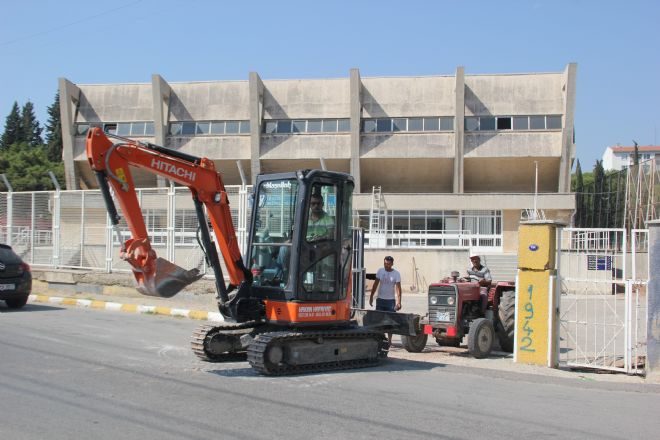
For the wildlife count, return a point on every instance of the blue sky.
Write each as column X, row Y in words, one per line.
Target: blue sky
column 615, row 43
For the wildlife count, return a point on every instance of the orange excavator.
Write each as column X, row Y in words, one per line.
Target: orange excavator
column 287, row 306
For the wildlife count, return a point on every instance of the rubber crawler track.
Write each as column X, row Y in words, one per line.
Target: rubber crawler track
column 257, row 350
column 203, row 335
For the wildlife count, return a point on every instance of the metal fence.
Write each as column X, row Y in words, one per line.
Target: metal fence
column 603, row 275
column 71, row 229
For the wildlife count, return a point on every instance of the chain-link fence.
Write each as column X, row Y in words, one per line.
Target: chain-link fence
column 71, row 229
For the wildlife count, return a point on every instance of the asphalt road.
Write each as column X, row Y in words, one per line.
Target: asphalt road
column 69, row 373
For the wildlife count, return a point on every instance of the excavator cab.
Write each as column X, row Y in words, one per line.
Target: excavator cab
column 300, row 238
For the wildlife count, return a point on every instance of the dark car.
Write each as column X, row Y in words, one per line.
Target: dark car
column 15, row 278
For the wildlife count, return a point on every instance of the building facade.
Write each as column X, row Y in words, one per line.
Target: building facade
column 619, row 157
column 435, row 159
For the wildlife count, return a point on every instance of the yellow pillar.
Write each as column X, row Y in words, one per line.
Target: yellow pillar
column 536, row 301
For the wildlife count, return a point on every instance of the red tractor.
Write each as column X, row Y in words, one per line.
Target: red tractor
column 456, row 309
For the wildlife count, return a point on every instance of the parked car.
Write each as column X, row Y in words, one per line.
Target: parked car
column 15, row 278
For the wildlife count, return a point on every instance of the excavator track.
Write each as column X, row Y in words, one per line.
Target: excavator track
column 272, row 354
column 207, row 335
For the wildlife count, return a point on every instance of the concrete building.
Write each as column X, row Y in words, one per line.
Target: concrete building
column 436, row 159
column 619, row 157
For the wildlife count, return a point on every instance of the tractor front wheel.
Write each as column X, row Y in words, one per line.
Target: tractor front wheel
column 481, row 338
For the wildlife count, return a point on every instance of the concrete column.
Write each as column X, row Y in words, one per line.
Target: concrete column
column 653, row 313
column 69, row 99
column 256, row 123
column 356, row 114
column 459, row 130
column 160, row 91
column 567, row 146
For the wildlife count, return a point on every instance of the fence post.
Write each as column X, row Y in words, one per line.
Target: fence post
column 653, row 298
column 171, row 214
column 10, row 207
column 56, row 228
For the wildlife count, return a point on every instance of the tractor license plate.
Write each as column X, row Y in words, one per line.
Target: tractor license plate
column 443, row 316
column 4, row 287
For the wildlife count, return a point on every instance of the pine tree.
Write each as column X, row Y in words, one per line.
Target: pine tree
column 13, row 128
column 600, row 196
column 30, row 126
column 54, row 131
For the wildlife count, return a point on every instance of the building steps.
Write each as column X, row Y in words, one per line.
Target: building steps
column 503, row 267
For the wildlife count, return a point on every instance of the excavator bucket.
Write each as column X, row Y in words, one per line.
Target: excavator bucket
column 167, row 279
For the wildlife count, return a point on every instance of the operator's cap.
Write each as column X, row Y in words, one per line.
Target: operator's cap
column 473, row 254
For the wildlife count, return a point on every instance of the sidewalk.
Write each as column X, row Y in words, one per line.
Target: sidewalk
column 201, row 306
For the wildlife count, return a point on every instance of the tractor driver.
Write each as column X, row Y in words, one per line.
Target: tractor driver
column 478, row 272
column 481, row 274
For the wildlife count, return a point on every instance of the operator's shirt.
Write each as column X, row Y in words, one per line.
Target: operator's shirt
column 387, row 282
column 322, row 228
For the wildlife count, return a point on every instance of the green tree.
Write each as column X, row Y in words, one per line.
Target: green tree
column 27, row 167
column 578, row 188
column 30, row 126
column 13, row 128
column 54, row 131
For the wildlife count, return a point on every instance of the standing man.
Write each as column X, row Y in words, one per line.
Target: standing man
column 389, row 280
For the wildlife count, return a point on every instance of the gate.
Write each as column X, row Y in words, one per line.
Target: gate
column 602, row 309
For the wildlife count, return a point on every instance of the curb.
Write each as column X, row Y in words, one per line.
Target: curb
column 130, row 308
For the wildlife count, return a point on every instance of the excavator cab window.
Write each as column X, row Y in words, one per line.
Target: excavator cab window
column 319, row 277
column 272, row 233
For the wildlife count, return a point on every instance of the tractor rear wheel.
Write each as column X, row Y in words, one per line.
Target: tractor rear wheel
column 414, row 344
column 481, row 338
column 507, row 320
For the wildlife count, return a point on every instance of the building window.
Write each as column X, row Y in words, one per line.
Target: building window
column 446, row 123
column 486, row 124
column 491, row 123
column 394, row 125
column 521, row 123
column 422, row 228
column 415, row 124
column 206, row 128
column 431, row 124
column 537, row 122
column 301, row 126
column 369, row 126
column 471, row 124
column 553, row 122
column 504, row 123
column 329, row 126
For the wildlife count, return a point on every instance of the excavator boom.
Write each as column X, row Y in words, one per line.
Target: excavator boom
column 156, row 276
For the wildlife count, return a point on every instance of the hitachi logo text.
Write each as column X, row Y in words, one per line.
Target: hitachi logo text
column 172, row 169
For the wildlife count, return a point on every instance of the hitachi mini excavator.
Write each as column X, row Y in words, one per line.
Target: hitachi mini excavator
column 287, row 306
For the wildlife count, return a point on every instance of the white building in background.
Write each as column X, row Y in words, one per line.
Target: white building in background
column 619, row 157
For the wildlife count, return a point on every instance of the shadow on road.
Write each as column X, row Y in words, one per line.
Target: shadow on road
column 235, row 369
column 29, row 308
